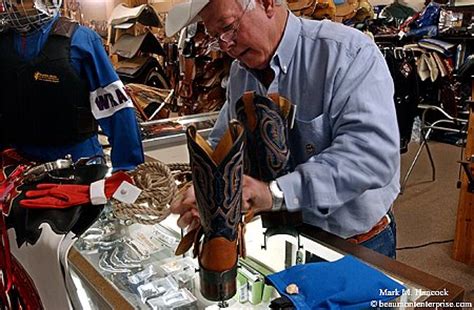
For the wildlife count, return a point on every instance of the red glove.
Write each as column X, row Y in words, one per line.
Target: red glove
column 61, row 196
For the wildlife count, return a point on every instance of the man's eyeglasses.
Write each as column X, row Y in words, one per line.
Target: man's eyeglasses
column 227, row 37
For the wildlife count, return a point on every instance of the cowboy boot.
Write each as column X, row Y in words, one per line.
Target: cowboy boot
column 217, row 178
column 267, row 157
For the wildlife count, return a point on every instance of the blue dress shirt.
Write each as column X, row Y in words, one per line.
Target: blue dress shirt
column 345, row 141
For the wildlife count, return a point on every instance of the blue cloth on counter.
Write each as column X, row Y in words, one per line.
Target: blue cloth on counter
column 344, row 284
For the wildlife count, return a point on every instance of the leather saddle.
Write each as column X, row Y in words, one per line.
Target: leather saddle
column 315, row 9
column 346, row 10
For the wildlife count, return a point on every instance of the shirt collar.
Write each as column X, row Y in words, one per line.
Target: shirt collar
column 286, row 48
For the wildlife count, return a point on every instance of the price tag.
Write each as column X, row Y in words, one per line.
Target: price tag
column 127, row 193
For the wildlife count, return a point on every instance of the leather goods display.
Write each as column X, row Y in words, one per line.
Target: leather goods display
column 346, row 10
column 128, row 45
column 315, row 9
column 203, row 72
column 142, row 69
column 217, row 178
column 144, row 14
column 267, row 121
column 150, row 102
column 134, row 46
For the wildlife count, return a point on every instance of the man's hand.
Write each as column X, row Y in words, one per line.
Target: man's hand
column 256, row 196
column 185, row 206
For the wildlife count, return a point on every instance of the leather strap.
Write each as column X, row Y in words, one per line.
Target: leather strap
column 241, row 240
column 378, row 228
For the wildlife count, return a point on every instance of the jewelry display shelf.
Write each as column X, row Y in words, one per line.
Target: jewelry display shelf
column 105, row 290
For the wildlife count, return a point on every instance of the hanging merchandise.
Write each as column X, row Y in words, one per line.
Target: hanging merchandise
column 135, row 47
column 203, row 72
column 314, row 9
column 402, row 63
column 397, row 12
column 426, row 24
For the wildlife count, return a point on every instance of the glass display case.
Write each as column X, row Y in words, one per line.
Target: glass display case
column 138, row 265
column 172, row 130
column 165, row 139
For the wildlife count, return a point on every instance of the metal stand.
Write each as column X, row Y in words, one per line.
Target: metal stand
column 426, row 130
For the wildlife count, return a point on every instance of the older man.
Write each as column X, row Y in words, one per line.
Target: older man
column 344, row 144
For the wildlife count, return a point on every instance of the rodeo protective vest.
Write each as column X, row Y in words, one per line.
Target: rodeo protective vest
column 43, row 101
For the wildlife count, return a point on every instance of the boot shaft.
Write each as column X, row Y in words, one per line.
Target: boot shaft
column 266, row 121
column 217, row 178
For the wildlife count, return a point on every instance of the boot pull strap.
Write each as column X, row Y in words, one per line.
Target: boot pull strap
column 186, row 242
column 197, row 244
column 248, row 217
column 282, row 103
column 241, row 240
column 192, row 133
column 192, row 237
column 285, row 107
column 249, row 108
column 235, row 129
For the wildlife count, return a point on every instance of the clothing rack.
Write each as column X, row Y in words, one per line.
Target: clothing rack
column 444, row 122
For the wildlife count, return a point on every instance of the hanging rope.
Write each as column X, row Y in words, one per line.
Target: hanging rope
column 158, row 186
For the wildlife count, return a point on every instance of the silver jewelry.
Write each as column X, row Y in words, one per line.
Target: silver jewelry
column 105, row 265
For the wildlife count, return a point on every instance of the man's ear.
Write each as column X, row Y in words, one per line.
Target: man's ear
column 269, row 7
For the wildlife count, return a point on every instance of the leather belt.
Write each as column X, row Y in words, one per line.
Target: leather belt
column 379, row 227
